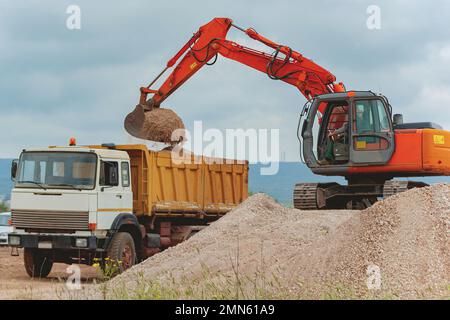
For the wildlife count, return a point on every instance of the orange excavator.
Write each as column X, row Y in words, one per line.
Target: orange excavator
column 352, row 134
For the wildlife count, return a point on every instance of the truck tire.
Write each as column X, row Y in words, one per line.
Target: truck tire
column 36, row 264
column 122, row 251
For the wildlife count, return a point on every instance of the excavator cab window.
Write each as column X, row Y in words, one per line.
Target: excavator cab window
column 372, row 133
column 348, row 130
column 370, row 117
column 333, row 138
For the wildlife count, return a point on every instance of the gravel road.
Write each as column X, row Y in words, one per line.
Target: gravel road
column 16, row 284
column 396, row 249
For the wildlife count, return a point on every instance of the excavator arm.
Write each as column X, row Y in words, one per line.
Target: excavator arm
column 210, row 40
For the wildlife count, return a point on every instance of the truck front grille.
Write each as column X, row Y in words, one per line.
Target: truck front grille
column 60, row 220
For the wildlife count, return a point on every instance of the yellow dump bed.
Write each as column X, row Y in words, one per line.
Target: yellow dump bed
column 189, row 186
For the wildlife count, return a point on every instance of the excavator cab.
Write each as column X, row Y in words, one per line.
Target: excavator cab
column 347, row 129
column 343, row 133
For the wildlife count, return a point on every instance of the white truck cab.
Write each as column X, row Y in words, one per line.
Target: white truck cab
column 66, row 200
column 123, row 202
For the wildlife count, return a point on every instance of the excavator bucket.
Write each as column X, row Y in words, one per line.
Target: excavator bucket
column 155, row 124
column 134, row 122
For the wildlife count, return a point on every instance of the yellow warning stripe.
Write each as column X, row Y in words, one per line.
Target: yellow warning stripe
column 115, row 210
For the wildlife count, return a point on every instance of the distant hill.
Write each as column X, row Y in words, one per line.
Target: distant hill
column 278, row 186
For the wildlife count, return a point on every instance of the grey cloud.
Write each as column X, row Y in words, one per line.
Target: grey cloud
column 56, row 83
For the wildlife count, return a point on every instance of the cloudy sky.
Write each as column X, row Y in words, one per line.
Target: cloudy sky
column 56, row 83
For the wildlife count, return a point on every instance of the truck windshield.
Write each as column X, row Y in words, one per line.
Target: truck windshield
column 56, row 170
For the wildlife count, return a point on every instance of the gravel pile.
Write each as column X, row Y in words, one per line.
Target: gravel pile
column 398, row 248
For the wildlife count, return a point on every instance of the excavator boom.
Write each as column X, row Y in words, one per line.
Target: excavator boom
column 209, row 41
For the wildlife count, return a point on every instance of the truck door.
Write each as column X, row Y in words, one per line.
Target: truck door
column 372, row 133
column 125, row 178
column 110, row 196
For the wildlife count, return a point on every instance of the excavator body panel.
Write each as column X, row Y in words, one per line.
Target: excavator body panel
column 419, row 152
column 354, row 135
column 370, row 146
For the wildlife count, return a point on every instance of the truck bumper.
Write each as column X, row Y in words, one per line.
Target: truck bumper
column 3, row 240
column 54, row 241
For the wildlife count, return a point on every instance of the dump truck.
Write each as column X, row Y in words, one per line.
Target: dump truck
column 123, row 203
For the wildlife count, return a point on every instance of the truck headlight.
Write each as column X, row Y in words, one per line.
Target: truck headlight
column 81, row 242
column 14, row 240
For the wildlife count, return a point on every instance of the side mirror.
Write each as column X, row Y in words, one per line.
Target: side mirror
column 109, row 174
column 14, row 166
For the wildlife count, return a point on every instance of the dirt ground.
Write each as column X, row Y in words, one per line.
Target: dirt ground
column 396, row 249
column 16, row 284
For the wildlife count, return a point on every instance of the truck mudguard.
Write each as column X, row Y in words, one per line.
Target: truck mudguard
column 124, row 219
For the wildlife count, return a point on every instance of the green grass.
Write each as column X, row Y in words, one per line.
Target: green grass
column 210, row 285
column 259, row 286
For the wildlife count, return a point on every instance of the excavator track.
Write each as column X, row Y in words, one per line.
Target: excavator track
column 319, row 196
column 392, row 187
column 305, row 196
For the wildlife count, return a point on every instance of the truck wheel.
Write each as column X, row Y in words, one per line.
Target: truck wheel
column 122, row 251
column 36, row 264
